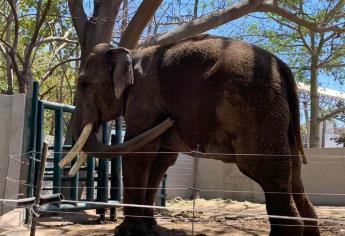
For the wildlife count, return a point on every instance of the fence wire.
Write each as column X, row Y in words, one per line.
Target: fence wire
column 22, row 158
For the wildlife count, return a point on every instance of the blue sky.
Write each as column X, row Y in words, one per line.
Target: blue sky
column 231, row 29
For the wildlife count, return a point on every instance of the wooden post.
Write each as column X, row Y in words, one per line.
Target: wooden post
column 39, row 186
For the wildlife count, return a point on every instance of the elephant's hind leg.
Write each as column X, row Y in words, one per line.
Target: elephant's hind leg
column 302, row 201
column 280, row 203
column 273, row 173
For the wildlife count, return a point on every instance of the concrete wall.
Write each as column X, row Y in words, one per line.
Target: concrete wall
column 12, row 109
column 322, row 176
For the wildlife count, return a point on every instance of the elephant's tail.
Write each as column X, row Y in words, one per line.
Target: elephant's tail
column 294, row 131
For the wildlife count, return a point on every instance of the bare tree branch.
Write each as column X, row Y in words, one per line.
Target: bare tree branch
column 13, row 49
column 79, row 17
column 34, row 37
column 138, row 23
column 334, row 11
column 51, row 70
column 203, row 24
column 332, row 114
column 56, row 39
column 238, row 10
column 288, row 15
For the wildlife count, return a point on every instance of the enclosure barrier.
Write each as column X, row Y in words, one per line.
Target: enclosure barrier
column 334, row 223
column 35, row 145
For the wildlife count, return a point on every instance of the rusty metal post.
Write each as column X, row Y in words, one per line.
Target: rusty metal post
column 39, row 187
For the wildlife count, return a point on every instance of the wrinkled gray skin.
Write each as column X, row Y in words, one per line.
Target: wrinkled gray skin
column 225, row 95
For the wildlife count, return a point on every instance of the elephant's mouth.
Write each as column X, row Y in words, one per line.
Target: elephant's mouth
column 88, row 143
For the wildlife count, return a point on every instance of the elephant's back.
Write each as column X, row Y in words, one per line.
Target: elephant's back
column 206, row 80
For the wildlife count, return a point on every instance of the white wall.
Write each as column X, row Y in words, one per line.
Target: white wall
column 12, row 109
column 323, row 176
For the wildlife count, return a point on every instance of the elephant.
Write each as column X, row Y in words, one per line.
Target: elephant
column 221, row 95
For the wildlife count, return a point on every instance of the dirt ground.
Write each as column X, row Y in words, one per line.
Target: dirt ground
column 213, row 217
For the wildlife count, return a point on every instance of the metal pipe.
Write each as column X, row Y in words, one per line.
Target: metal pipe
column 116, row 171
column 58, row 150
column 39, row 140
column 39, row 187
column 57, row 106
column 103, row 170
column 32, row 143
column 58, row 197
column 74, row 182
column 90, row 181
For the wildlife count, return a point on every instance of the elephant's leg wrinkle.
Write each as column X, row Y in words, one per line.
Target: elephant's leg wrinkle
column 302, row 201
column 158, row 169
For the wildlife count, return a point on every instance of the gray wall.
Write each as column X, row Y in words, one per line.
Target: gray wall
column 323, row 176
column 12, row 109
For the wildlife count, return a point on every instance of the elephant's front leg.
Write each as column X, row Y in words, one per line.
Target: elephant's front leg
column 158, row 169
column 135, row 168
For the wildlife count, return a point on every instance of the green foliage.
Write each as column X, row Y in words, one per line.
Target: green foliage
column 293, row 43
column 59, row 86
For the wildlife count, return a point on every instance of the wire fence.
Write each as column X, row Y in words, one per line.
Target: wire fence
column 24, row 158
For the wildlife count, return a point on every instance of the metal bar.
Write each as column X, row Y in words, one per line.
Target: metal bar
column 103, row 170
column 44, row 199
column 90, row 181
column 116, row 171
column 57, row 150
column 74, row 182
column 64, row 147
column 58, row 106
column 50, row 170
column 39, row 139
column 72, row 206
column 67, row 179
column 39, row 187
column 32, row 143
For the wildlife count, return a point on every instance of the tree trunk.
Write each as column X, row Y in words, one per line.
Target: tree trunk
column 307, row 123
column 314, row 139
column 9, row 68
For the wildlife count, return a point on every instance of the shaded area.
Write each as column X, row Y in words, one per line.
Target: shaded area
column 213, row 217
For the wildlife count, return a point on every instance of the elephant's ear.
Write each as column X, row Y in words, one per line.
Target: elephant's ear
column 122, row 71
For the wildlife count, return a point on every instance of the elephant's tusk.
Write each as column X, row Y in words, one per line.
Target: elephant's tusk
column 75, row 168
column 77, row 146
column 99, row 150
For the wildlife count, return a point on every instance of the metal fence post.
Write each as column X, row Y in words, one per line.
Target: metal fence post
column 39, row 187
column 116, row 171
column 39, row 140
column 32, row 144
column 103, row 178
column 90, row 181
column 58, row 150
column 74, row 182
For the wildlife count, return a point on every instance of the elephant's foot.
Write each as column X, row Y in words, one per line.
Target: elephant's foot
column 151, row 223
column 311, row 230
column 131, row 228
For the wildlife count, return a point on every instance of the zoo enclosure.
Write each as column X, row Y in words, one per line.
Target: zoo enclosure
column 331, row 161
column 55, row 174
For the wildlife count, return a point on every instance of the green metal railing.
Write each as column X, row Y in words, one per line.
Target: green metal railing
column 35, row 145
